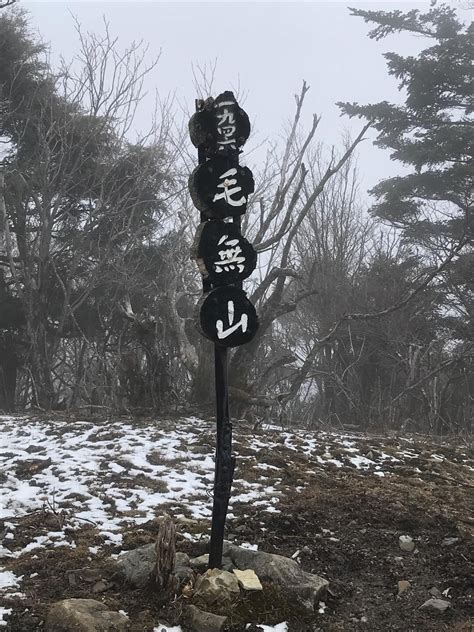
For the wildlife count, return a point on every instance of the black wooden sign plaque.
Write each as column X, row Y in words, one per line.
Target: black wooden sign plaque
column 227, row 317
column 220, row 187
column 220, row 127
column 223, row 255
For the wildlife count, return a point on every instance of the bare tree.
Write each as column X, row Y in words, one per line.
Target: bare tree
column 288, row 192
column 80, row 198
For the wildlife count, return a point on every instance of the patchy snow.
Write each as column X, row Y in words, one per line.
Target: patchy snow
column 266, row 466
column 5, row 552
column 107, row 475
column 326, row 458
column 360, row 461
column 8, row 580
column 3, row 612
column 280, row 627
column 117, row 474
column 249, row 546
column 113, row 475
column 164, row 628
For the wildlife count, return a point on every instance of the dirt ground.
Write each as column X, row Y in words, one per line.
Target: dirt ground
column 343, row 524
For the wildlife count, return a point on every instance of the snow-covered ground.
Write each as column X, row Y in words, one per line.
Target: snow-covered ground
column 115, row 474
column 111, row 474
column 281, row 627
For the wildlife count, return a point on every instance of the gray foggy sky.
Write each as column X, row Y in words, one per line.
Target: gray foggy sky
column 267, row 48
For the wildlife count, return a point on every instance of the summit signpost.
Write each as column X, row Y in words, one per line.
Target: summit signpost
column 220, row 190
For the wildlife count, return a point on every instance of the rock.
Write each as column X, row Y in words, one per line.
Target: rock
column 248, row 579
column 403, row 586
column 84, row 615
column 136, row 566
column 435, row 592
column 217, row 586
column 32, row 449
column 182, row 559
column 200, row 621
column 307, row 588
column 188, row 521
column 406, row 543
column 227, row 564
column 436, row 605
column 202, row 562
column 101, row 586
column 450, row 541
column 88, row 575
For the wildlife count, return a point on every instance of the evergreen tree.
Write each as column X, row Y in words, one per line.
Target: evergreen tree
column 432, row 132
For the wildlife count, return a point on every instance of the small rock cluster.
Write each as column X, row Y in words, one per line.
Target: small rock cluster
column 243, row 571
column 435, row 604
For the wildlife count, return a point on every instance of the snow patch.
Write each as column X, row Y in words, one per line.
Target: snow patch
column 3, row 612
column 280, row 627
column 8, row 580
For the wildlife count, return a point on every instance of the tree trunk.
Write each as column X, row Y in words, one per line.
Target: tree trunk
column 8, row 376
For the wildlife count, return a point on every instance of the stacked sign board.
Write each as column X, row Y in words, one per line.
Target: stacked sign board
column 220, row 189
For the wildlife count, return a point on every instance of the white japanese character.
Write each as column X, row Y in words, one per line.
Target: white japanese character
column 243, row 322
column 226, row 128
column 226, row 117
column 228, row 192
column 229, row 258
column 231, row 143
column 228, row 131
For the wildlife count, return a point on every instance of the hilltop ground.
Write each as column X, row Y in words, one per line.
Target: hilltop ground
column 77, row 491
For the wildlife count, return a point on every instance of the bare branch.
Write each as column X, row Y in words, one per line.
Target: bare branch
column 270, row 278
column 393, row 308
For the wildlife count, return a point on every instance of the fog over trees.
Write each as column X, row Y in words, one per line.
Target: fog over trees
column 365, row 313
